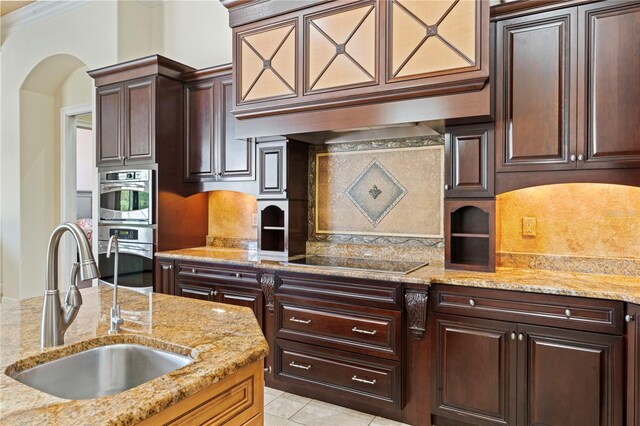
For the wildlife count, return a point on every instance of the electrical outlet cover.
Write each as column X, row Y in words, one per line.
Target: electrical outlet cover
column 529, row 226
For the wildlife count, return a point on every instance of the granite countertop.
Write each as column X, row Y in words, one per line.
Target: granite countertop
column 596, row 286
column 221, row 338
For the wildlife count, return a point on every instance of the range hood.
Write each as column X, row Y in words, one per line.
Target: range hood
column 373, row 133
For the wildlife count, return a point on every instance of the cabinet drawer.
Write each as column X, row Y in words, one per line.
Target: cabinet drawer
column 602, row 316
column 355, row 376
column 359, row 329
column 224, row 274
column 380, row 294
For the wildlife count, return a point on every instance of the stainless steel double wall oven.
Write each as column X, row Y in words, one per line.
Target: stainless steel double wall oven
column 126, row 211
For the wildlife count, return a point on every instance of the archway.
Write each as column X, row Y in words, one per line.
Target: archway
column 40, row 171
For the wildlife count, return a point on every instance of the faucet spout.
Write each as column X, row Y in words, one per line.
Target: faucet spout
column 116, row 319
column 55, row 318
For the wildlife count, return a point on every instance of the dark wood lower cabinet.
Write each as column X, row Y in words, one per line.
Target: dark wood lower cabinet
column 474, row 378
column 633, row 364
column 569, row 378
column 488, row 372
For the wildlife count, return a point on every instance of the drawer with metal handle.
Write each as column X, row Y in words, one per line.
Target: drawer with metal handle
column 357, row 329
column 368, row 378
column 603, row 316
column 233, row 274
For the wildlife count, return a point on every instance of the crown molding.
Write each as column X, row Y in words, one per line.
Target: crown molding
column 35, row 12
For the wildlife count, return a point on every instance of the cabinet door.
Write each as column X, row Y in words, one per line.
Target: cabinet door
column 266, row 61
column 469, row 161
column 195, row 290
column 242, row 297
column 109, row 109
column 633, row 365
column 271, row 169
column 609, row 84
column 432, row 37
column 200, row 128
column 569, row 378
column 341, row 48
column 237, row 161
column 475, row 378
column 139, row 120
column 165, row 281
column 536, row 95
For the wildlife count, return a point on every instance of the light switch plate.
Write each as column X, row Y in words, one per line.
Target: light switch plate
column 254, row 220
column 529, row 226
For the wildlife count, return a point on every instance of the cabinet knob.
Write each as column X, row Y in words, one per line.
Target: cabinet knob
column 238, row 275
column 194, row 271
column 472, row 302
column 446, row 187
column 572, row 158
column 567, row 312
column 267, row 370
column 629, row 318
column 580, row 157
column 521, row 337
column 513, row 335
column 214, row 292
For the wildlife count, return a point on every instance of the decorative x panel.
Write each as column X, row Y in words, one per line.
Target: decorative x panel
column 342, row 48
column 268, row 63
column 432, row 36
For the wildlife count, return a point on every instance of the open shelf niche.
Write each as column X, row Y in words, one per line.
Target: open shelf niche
column 470, row 235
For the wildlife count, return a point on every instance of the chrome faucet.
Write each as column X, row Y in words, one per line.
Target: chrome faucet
column 55, row 318
column 116, row 319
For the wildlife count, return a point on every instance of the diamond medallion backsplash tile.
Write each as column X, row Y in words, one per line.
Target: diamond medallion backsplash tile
column 389, row 191
column 375, row 192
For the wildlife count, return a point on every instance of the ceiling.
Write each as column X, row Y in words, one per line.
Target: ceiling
column 10, row 6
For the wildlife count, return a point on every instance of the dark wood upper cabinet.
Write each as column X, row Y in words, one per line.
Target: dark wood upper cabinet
column 609, row 85
column 139, row 112
column 126, row 122
column 200, row 130
column 139, row 125
column 536, row 92
column 212, row 152
column 272, row 170
column 469, row 161
column 109, row 112
column 237, row 156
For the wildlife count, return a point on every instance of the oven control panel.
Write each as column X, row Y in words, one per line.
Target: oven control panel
column 124, row 234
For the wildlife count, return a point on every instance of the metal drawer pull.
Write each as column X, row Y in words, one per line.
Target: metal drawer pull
column 359, row 330
column 294, row 319
column 567, row 312
column 472, row 302
column 302, row 367
column 358, row 379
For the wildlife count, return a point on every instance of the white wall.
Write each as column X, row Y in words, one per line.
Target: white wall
column 95, row 33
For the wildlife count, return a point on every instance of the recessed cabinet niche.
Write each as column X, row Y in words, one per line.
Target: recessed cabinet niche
column 470, row 235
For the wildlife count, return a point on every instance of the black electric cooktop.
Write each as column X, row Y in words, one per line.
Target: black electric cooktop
column 371, row 265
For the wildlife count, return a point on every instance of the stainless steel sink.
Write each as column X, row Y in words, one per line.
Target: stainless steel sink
column 101, row 371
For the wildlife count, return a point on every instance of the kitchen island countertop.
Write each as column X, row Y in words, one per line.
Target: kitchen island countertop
column 222, row 339
column 596, row 286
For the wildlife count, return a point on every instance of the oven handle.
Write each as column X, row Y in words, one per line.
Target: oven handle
column 128, row 248
column 119, row 187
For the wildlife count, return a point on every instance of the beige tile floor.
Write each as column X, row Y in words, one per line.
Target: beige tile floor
column 286, row 409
